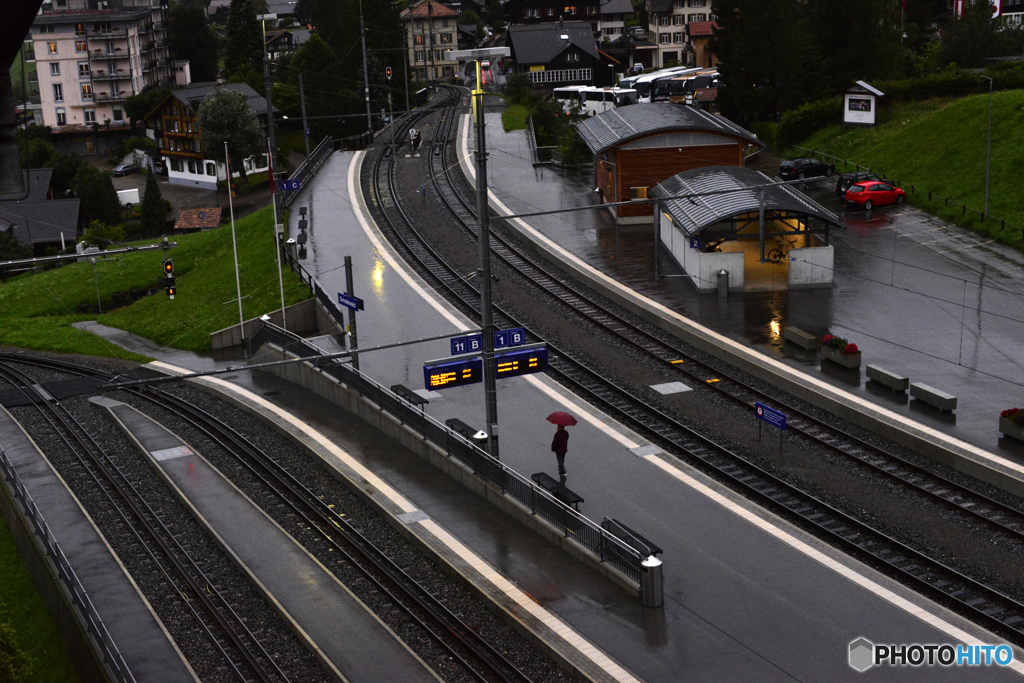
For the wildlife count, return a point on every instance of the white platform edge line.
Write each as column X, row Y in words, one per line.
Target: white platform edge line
column 841, row 569
column 750, row 353
column 496, row 579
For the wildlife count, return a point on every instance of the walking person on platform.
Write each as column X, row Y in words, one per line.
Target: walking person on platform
column 559, row 446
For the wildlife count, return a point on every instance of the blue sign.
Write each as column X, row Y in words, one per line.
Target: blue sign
column 468, row 344
column 353, row 302
column 286, row 185
column 454, row 373
column 514, row 336
column 695, row 242
column 307, row 132
column 522, row 362
column 771, row 416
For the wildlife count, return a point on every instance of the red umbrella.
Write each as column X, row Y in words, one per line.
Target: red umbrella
column 560, row 418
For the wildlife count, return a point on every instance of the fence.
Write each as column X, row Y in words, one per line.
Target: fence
column 567, row 520
column 913, row 190
column 80, row 599
column 307, row 168
column 321, row 295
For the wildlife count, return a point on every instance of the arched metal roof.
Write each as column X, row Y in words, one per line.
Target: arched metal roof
column 619, row 125
column 737, row 197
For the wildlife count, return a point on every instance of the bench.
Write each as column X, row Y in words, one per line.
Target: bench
column 800, row 338
column 889, row 379
column 409, row 395
column 556, row 488
column 475, row 436
column 630, row 537
column 933, row 396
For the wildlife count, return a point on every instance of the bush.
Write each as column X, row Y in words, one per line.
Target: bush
column 796, row 125
column 765, row 131
column 839, row 344
column 15, row 665
column 99, row 234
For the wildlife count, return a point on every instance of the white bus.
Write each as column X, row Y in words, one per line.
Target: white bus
column 592, row 100
column 644, row 84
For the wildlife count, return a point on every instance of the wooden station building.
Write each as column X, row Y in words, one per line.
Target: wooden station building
column 638, row 146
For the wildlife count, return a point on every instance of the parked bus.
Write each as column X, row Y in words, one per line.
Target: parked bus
column 592, row 100
column 675, row 88
column 644, row 84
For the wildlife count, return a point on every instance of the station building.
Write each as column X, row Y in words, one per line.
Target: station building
column 639, row 146
column 764, row 235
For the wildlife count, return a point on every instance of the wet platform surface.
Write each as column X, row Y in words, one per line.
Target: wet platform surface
column 133, row 626
column 359, row 647
column 921, row 297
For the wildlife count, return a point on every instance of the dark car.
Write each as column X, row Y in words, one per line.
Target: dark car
column 869, row 194
column 847, row 179
column 124, row 169
column 791, row 169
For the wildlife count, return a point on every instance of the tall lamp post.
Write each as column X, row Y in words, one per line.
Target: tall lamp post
column 988, row 156
column 486, row 324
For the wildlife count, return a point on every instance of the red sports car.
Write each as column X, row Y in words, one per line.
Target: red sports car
column 871, row 193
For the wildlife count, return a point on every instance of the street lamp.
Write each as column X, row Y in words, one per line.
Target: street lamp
column 988, row 157
column 486, row 325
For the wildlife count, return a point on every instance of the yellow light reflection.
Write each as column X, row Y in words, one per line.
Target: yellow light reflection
column 776, row 326
column 378, row 277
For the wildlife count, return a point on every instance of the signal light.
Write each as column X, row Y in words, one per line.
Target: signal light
column 169, row 286
column 388, row 72
column 168, row 266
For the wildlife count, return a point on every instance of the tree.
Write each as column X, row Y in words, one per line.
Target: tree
column 245, row 37
column 101, row 235
column 39, row 154
column 225, row 116
column 98, row 197
column 854, row 40
column 12, row 248
column 192, row 39
column 247, row 74
column 65, row 168
column 138, row 106
column 976, row 35
column 154, row 211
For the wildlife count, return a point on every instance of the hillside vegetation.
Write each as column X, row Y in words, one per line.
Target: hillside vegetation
column 36, row 311
column 939, row 146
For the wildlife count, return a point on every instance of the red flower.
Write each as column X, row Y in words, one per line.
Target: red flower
column 827, row 339
column 851, row 350
column 1010, row 412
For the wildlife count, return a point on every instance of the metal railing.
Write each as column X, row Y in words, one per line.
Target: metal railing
column 538, row 501
column 79, row 597
column 321, row 295
column 946, row 201
column 307, row 168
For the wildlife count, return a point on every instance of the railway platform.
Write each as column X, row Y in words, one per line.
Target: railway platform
column 148, row 650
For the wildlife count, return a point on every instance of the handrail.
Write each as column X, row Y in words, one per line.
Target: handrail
column 308, row 168
column 540, row 502
column 79, row 597
column 913, row 189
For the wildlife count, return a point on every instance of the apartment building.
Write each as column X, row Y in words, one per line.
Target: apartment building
column 667, row 22
column 92, row 55
column 431, row 29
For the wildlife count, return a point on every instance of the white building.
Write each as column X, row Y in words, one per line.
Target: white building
column 667, row 20
column 430, row 30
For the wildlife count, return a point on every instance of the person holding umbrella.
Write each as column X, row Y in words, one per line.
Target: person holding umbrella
column 559, row 445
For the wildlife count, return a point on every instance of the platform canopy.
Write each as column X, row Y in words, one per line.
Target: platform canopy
column 622, row 124
column 694, row 215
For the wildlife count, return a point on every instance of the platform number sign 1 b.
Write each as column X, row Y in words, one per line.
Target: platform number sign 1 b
column 515, row 336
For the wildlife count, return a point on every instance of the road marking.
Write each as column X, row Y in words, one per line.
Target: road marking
column 969, row 246
column 864, row 582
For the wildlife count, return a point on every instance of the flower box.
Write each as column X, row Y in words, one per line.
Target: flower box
column 1011, row 430
column 849, row 361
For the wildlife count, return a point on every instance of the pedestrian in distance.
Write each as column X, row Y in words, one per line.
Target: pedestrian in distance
column 560, row 445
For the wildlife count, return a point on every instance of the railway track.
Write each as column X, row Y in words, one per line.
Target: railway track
column 972, row 598
column 240, row 649
column 476, row 657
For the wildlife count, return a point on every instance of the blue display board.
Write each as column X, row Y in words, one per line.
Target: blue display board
column 454, row 373
column 771, row 416
column 522, row 362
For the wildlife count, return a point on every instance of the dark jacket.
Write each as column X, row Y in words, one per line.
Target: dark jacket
column 558, row 445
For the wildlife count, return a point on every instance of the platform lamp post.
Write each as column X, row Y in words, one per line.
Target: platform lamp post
column 486, row 324
column 988, row 157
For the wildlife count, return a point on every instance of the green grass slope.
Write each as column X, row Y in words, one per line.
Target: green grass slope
column 36, row 311
column 939, row 146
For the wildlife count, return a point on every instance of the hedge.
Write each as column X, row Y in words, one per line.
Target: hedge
column 796, row 125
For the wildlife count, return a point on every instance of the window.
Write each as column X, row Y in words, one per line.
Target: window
column 81, row 46
column 118, row 115
column 110, row 47
column 447, row 71
column 83, row 70
column 678, row 19
column 677, row 37
column 698, row 17
column 571, row 9
column 638, row 193
column 104, row 26
column 90, row 146
column 551, row 11
column 80, row 30
column 664, row 38
column 87, row 91
column 444, row 23
column 46, row 29
column 680, row 4
column 419, row 55
column 58, row 92
column 572, row 57
column 62, row 117
column 112, row 67
column 188, row 126
column 55, row 68
column 211, row 168
column 663, row 21
column 176, row 165
column 418, row 40
column 90, row 116
column 446, row 38
column 51, row 48
column 192, row 166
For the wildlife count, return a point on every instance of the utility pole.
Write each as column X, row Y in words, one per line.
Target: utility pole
column 353, row 340
column 366, row 69
column 988, row 158
column 406, row 66
column 305, row 128
column 270, row 108
column 486, row 324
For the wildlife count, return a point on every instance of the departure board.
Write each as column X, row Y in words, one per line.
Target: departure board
column 521, row 362
column 454, row 373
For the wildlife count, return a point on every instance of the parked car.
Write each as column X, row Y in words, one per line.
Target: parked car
column 124, row 169
column 870, row 194
column 847, row 179
column 792, row 169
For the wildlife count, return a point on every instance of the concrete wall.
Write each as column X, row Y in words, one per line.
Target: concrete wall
column 702, row 269
column 84, row 653
column 304, row 318
column 308, row 377
column 811, row 267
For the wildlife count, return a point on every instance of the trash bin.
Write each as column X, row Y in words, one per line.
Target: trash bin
column 652, row 582
column 723, row 284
